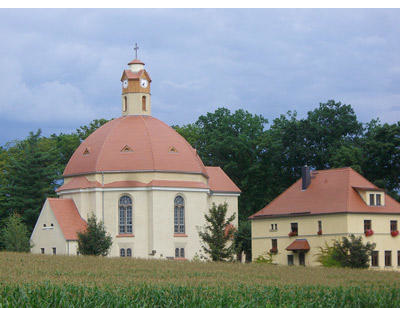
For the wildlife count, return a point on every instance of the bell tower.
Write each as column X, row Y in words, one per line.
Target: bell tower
column 136, row 88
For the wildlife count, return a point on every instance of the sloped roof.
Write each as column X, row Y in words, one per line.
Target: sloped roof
column 67, row 217
column 219, row 181
column 135, row 75
column 299, row 244
column 330, row 191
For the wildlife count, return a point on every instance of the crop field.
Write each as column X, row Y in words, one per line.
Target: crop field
column 28, row 280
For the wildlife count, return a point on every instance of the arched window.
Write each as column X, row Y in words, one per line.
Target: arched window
column 125, row 215
column 128, row 252
column 125, row 104
column 143, row 103
column 179, row 215
column 122, row 252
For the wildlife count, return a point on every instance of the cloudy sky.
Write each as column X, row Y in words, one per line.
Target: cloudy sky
column 60, row 69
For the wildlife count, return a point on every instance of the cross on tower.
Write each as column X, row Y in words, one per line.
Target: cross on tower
column 136, row 49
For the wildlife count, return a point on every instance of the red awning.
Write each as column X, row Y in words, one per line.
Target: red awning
column 299, row 244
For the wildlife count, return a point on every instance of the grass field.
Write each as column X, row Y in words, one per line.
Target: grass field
column 28, row 280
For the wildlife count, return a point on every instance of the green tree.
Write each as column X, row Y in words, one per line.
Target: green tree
column 234, row 142
column 218, row 234
column 348, row 252
column 94, row 240
column 30, row 173
column 381, row 152
column 15, row 236
column 242, row 240
column 84, row 131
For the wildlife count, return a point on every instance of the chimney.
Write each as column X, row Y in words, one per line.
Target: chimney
column 305, row 177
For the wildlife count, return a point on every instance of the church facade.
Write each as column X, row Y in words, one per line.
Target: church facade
column 142, row 179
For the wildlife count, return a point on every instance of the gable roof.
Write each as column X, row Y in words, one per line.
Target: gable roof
column 67, row 217
column 330, row 191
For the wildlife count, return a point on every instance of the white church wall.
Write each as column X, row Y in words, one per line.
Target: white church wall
column 232, row 205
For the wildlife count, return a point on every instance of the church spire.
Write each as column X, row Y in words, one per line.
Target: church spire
column 136, row 88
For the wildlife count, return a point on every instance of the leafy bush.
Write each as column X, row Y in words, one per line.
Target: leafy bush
column 94, row 240
column 268, row 258
column 15, row 235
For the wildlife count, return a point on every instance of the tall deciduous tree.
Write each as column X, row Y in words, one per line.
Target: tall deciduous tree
column 30, row 172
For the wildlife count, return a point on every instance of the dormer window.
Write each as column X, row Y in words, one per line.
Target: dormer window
column 371, row 196
column 126, row 149
column 172, row 150
column 378, row 200
column 86, row 152
column 372, row 199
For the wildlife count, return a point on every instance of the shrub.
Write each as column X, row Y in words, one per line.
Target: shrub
column 94, row 240
column 15, row 235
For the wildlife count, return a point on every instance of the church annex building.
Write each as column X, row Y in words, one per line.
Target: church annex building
column 142, row 179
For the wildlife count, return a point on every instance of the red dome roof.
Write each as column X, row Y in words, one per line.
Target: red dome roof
column 134, row 143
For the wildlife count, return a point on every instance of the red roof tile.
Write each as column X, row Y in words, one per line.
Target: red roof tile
column 79, row 183
column 219, row 181
column 330, row 191
column 299, row 244
column 67, row 217
column 150, row 140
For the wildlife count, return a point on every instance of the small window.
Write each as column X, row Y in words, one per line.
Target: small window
column 122, row 252
column 388, row 258
column 374, row 259
column 143, row 103
column 294, row 228
column 54, row 251
column 274, row 244
column 44, row 225
column 367, row 225
column 398, row 258
column 52, row 225
column 372, row 199
column 290, row 260
column 129, row 252
column 393, row 226
column 274, row 227
column 42, row 251
column 179, row 252
column 378, row 200
column 86, row 151
column 320, row 226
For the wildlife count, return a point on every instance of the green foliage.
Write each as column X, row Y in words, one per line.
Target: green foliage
column 94, row 240
column 267, row 258
column 348, row 252
column 85, row 130
column 15, row 236
column 242, row 240
column 29, row 171
column 217, row 235
column 327, row 257
column 147, row 295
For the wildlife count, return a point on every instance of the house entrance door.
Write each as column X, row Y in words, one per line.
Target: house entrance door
column 302, row 258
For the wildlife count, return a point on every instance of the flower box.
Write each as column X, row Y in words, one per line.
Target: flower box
column 369, row 232
column 394, row 233
column 273, row 250
column 291, row 234
column 319, row 232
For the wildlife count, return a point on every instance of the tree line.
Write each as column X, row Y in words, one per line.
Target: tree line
column 263, row 158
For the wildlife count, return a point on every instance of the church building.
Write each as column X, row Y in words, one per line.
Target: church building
column 142, row 179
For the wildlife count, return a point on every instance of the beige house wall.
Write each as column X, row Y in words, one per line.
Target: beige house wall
column 50, row 236
column 134, row 104
column 334, row 226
